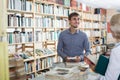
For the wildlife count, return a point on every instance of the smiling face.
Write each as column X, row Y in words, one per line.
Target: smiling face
column 74, row 21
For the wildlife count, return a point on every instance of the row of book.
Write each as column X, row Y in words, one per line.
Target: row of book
column 62, row 2
column 30, row 55
column 44, row 8
column 44, row 51
column 19, row 37
column 93, row 25
column 50, row 36
column 87, row 24
column 61, row 23
column 19, row 21
column 50, row 9
column 24, row 5
column 50, row 22
column 96, row 33
column 89, row 16
column 25, row 37
column 60, row 11
column 16, row 20
column 72, row 3
column 44, row 22
column 45, row 63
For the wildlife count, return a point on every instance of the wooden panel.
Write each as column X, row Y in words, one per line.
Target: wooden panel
column 4, row 74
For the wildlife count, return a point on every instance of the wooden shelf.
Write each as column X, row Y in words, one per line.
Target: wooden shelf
column 45, row 56
column 44, row 14
column 31, row 72
column 88, row 20
column 19, row 11
column 62, row 17
column 46, row 2
column 19, row 27
column 62, row 6
column 87, row 12
column 21, row 43
column 30, row 59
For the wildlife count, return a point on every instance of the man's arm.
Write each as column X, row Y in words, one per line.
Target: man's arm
column 87, row 46
column 60, row 47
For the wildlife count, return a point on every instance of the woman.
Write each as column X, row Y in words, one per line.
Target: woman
column 113, row 69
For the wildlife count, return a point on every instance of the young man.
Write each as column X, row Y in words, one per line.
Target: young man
column 72, row 42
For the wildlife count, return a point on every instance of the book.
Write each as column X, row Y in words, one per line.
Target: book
column 92, row 59
column 119, row 77
column 102, row 64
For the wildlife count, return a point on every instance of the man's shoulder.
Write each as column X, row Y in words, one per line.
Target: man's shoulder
column 82, row 33
column 64, row 31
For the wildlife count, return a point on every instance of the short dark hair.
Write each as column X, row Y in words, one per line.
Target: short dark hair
column 72, row 14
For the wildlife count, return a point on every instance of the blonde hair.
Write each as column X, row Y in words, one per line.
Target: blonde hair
column 115, row 26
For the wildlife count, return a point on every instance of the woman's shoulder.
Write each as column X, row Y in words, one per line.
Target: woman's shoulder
column 116, row 50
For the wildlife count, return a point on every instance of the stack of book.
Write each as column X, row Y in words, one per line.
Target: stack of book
column 63, row 74
column 16, row 68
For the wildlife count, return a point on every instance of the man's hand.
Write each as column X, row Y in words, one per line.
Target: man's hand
column 78, row 59
column 67, row 59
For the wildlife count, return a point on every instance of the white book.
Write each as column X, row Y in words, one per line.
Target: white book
column 35, row 9
column 39, row 22
column 17, row 2
column 13, row 4
column 39, row 36
column 26, row 36
column 9, row 4
column 12, row 21
column 41, row 7
column 27, row 6
column 22, row 37
column 93, row 58
column 27, row 21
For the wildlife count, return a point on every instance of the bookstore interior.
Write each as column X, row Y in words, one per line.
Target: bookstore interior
column 33, row 31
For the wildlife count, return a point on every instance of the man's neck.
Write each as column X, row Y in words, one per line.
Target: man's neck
column 73, row 30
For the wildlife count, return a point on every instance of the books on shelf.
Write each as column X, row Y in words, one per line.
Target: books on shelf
column 16, row 65
column 17, row 20
column 19, row 37
column 67, row 3
column 24, row 5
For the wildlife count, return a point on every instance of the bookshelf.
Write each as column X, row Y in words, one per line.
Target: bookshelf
column 34, row 27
